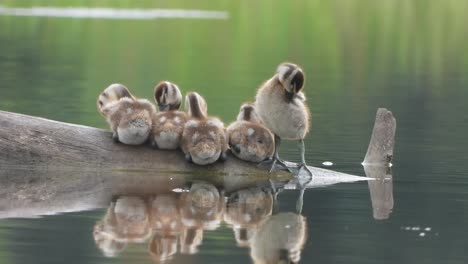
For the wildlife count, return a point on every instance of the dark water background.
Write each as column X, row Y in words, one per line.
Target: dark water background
column 408, row 56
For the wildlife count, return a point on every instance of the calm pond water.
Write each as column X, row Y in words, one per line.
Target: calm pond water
column 408, row 56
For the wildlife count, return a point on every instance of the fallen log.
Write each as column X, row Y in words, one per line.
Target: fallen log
column 48, row 167
column 29, row 141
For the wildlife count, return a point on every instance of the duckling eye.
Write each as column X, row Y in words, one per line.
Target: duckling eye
column 100, row 103
column 260, row 141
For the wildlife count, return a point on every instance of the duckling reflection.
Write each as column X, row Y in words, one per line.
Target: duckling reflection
column 281, row 237
column 245, row 210
column 166, row 224
column 201, row 209
column 106, row 242
column 126, row 220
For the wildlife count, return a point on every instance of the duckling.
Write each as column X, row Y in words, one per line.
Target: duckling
column 281, row 106
column 246, row 209
column 168, row 124
column 204, row 138
column 248, row 138
column 130, row 118
column 112, row 94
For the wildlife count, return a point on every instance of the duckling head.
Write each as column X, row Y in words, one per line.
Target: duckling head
column 167, row 95
column 247, row 113
column 195, row 105
column 292, row 79
column 112, row 93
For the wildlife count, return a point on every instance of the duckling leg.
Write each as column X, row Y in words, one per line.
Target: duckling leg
column 223, row 156
column 154, row 144
column 115, row 136
column 188, row 158
column 272, row 162
column 303, row 164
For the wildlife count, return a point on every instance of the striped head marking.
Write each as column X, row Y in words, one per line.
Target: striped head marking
column 247, row 113
column 167, row 95
column 291, row 77
column 195, row 105
column 112, row 93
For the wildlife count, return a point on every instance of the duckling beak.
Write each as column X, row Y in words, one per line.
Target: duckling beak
column 163, row 107
column 289, row 96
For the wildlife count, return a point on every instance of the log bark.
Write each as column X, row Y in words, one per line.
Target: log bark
column 47, row 167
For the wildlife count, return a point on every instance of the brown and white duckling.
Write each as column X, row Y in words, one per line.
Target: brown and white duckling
column 168, row 124
column 281, row 106
column 248, row 138
column 112, row 94
column 204, row 138
column 130, row 118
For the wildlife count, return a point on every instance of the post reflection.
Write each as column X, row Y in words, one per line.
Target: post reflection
column 381, row 190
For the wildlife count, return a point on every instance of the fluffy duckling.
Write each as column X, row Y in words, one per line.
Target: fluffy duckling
column 111, row 94
column 245, row 210
column 130, row 118
column 281, row 106
column 248, row 138
column 168, row 124
column 204, row 138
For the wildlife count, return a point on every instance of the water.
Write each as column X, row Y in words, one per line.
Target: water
column 407, row 56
